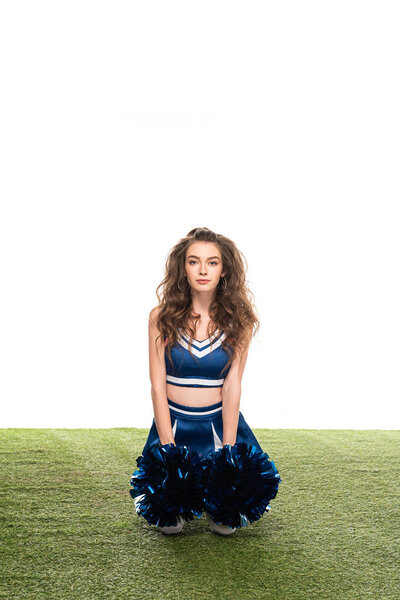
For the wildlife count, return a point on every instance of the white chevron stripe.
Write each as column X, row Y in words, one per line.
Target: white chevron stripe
column 188, row 380
column 201, row 353
column 197, row 342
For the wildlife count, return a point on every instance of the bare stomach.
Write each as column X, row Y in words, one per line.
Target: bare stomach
column 194, row 396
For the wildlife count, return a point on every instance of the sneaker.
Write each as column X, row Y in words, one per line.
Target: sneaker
column 221, row 529
column 168, row 530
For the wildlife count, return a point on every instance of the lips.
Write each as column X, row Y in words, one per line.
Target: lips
column 203, row 280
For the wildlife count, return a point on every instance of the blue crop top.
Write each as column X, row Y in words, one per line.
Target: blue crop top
column 204, row 368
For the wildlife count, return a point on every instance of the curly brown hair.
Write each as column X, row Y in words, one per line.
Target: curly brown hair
column 232, row 309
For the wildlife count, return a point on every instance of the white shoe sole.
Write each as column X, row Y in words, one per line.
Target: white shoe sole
column 220, row 529
column 169, row 530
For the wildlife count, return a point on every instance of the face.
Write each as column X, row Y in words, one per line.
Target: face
column 203, row 261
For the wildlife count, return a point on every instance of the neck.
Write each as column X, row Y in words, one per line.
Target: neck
column 201, row 302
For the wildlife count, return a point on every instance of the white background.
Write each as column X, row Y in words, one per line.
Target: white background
column 126, row 124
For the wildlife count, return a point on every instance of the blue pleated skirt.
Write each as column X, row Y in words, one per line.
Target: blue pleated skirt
column 200, row 428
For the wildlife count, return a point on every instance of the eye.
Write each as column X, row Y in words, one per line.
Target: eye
column 212, row 262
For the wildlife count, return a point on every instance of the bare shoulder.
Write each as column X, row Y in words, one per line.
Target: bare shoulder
column 153, row 315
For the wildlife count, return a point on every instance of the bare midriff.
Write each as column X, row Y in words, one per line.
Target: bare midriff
column 194, row 396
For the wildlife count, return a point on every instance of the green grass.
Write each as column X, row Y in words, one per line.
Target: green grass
column 69, row 529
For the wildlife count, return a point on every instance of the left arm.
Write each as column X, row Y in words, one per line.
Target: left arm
column 231, row 392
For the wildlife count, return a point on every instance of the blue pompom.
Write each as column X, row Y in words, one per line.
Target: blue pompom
column 168, row 484
column 239, row 481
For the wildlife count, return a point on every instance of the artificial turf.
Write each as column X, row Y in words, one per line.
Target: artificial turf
column 69, row 528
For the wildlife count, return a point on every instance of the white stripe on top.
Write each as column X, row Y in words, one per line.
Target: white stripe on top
column 200, row 353
column 187, row 380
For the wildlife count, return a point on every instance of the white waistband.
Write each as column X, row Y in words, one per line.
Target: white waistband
column 193, row 412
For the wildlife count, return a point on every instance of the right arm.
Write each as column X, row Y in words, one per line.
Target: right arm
column 158, row 378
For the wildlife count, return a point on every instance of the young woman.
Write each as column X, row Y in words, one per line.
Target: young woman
column 199, row 337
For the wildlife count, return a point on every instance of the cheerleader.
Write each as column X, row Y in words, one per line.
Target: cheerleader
column 200, row 454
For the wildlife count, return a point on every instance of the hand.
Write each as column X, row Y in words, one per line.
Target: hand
column 167, row 444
